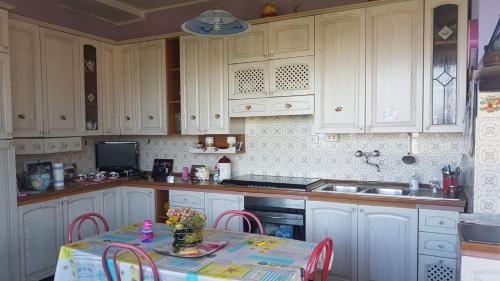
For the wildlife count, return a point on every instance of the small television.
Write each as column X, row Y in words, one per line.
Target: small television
column 117, row 156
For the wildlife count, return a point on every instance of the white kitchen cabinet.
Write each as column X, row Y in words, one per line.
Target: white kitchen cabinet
column 129, row 123
column 138, row 204
column 291, row 77
column 9, row 254
column 445, row 65
column 278, row 106
column 151, row 88
column 433, row 268
column 61, row 83
column 479, row 269
column 4, row 31
column 191, row 84
column 251, row 46
column 249, row 80
column 186, row 199
column 77, row 205
column 340, row 72
column 339, row 221
column 394, row 58
column 112, row 207
column 26, row 79
column 291, row 38
column 41, row 233
column 108, row 71
column 5, row 98
column 387, row 243
column 217, row 203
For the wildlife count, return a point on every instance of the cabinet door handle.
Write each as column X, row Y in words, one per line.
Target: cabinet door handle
column 441, row 222
column 193, row 117
column 288, row 106
column 440, row 246
column 361, row 210
column 217, row 116
column 127, row 118
column 248, row 107
column 62, row 117
column 151, row 117
column 338, row 108
column 21, row 116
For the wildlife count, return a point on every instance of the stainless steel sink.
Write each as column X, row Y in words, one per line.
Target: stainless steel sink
column 387, row 191
column 339, row 188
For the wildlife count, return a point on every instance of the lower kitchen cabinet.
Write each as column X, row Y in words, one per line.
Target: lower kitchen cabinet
column 433, row 268
column 112, row 207
column 338, row 221
column 41, row 233
column 216, row 204
column 78, row 205
column 138, row 204
column 370, row 243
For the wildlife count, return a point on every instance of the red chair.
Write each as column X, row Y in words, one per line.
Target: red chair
column 94, row 217
column 324, row 247
column 244, row 214
column 134, row 251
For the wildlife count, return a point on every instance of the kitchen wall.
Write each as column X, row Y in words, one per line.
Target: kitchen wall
column 286, row 146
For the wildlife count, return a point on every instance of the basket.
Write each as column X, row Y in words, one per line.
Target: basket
column 187, row 237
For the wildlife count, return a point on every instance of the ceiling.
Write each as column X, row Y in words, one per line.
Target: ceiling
column 121, row 12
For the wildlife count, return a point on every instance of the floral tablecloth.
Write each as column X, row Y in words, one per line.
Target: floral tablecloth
column 245, row 257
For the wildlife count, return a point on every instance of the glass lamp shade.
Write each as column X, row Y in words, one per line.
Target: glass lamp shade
column 215, row 23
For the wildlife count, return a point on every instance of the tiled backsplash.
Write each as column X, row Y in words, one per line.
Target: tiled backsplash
column 286, row 146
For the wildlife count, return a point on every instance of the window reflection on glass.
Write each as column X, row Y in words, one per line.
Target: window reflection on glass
column 444, row 65
column 90, row 86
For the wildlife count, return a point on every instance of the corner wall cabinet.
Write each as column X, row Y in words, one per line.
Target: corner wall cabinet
column 93, row 105
column 5, row 98
column 445, row 59
column 108, row 70
column 4, row 31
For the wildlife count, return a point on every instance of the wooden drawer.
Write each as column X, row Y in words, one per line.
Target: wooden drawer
column 441, row 245
column 299, row 105
column 190, row 199
column 437, row 221
column 248, row 108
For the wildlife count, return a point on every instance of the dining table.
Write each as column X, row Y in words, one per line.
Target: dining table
column 245, row 256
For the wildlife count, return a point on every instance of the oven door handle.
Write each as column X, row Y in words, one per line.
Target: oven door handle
column 273, row 217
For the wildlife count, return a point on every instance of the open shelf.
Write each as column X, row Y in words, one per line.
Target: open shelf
column 173, row 86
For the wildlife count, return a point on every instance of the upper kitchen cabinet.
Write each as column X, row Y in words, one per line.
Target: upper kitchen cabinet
column 191, row 84
column 394, row 56
column 249, row 80
column 340, row 72
column 127, row 85
column 291, row 77
column 4, row 31
column 108, row 71
column 61, row 81
column 445, row 58
column 90, row 60
column 26, row 79
column 280, row 39
column 5, row 98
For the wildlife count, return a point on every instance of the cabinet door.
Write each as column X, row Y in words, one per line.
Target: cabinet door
column 445, row 63
column 8, row 212
column 387, row 243
column 4, row 31
column 291, row 77
column 5, row 98
column 216, row 204
column 216, row 95
column 338, row 221
column 480, row 269
column 250, row 46
column 394, row 38
column 291, row 38
column 37, row 222
column 110, row 95
column 78, row 205
column 151, row 88
column 61, row 79
column 26, row 79
column 249, row 80
column 191, row 84
column 340, row 72
column 90, row 61
column 129, row 100
column 432, row 268
column 138, row 205
column 111, row 207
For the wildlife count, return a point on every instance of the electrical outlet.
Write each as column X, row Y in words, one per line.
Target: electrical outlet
column 332, row 137
column 313, row 139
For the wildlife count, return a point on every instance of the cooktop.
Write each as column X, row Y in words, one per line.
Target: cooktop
column 292, row 183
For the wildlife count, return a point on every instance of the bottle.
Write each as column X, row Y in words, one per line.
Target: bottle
column 414, row 182
column 216, row 174
column 224, row 166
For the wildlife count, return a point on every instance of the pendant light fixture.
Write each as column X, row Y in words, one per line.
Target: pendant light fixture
column 215, row 23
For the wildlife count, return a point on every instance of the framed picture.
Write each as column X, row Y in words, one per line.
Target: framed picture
column 162, row 168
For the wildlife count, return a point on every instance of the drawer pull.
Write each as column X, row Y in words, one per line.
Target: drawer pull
column 193, row 117
column 217, row 116
column 21, row 116
column 441, row 222
column 338, row 108
column 248, row 107
column 151, row 117
column 288, row 106
column 62, row 117
column 128, row 118
column 441, row 246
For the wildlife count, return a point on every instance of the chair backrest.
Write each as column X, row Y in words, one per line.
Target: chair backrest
column 93, row 217
column 135, row 252
column 324, row 247
column 243, row 214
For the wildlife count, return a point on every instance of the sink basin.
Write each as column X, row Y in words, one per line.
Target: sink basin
column 387, row 191
column 340, row 188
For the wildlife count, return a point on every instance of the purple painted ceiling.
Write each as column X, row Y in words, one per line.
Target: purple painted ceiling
column 159, row 22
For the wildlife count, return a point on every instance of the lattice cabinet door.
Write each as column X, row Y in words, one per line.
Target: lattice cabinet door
column 437, row 269
column 291, row 77
column 249, row 80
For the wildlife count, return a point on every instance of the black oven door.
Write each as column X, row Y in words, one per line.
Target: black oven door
column 287, row 225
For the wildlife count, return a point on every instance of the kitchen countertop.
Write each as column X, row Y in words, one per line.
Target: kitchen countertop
column 480, row 236
column 414, row 200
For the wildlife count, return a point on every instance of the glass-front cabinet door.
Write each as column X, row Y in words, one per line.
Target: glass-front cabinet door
column 92, row 106
column 445, row 59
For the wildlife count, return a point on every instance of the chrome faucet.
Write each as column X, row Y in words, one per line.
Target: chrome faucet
column 374, row 153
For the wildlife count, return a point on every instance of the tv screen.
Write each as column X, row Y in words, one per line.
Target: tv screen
column 117, row 156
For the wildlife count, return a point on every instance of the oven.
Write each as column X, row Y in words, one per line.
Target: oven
column 280, row 217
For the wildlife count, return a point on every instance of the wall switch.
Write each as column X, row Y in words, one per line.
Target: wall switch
column 332, row 137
